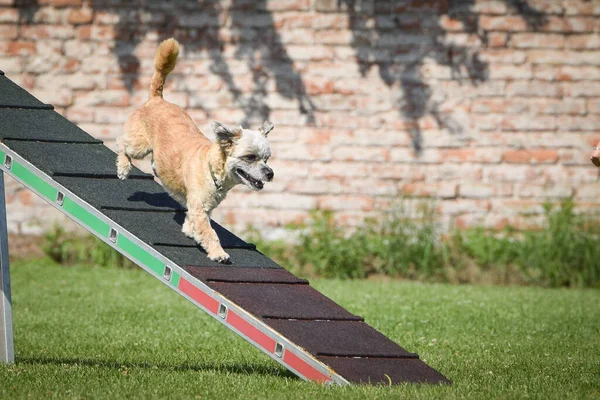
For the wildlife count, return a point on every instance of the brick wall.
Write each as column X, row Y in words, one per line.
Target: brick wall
column 491, row 107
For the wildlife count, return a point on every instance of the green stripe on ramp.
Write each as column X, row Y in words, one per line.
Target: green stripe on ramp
column 87, row 218
column 36, row 183
column 141, row 255
column 175, row 279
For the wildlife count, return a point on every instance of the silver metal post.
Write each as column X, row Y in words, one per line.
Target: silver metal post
column 7, row 346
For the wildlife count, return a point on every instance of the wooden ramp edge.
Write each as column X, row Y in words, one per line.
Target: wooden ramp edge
column 278, row 313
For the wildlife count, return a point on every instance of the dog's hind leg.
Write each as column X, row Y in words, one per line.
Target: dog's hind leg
column 123, row 164
column 135, row 143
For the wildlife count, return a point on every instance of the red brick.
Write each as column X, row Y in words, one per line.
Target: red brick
column 444, row 190
column 8, row 31
column 485, row 190
column 502, row 23
column 531, row 156
column 9, row 15
column 577, row 123
column 564, row 57
column 537, row 40
column 460, row 206
column 497, row 39
column 593, row 106
column 66, row 3
column 503, row 56
column 490, row 7
column 566, row 73
column 335, row 203
column 544, row 191
column 529, row 123
column 582, row 89
column 578, row 7
column 79, row 17
column 477, row 155
column 510, row 72
column 21, row 48
column 361, row 153
column 533, row 89
column 47, row 32
column 588, row 41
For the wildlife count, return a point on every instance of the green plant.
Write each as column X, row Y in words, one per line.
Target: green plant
column 565, row 253
column 327, row 250
column 69, row 248
column 406, row 243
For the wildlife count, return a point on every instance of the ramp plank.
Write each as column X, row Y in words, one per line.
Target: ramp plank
column 244, row 275
column 283, row 301
column 43, row 125
column 135, row 194
column 377, row 370
column 12, row 95
column 339, row 338
column 71, row 159
column 164, row 228
column 194, row 256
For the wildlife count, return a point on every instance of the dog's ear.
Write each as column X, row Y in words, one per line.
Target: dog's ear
column 225, row 136
column 266, row 128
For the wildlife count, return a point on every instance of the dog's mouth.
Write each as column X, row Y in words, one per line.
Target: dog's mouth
column 250, row 181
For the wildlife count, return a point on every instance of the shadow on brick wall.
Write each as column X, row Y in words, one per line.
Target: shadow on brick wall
column 399, row 38
column 197, row 25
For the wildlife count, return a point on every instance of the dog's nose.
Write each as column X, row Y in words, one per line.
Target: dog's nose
column 269, row 173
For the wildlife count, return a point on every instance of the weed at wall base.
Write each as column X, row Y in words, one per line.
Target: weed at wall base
column 407, row 244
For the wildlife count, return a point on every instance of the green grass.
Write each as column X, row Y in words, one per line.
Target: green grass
column 85, row 332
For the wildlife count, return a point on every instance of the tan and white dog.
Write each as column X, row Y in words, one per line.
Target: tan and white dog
column 195, row 171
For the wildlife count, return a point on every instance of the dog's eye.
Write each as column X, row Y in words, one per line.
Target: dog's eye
column 250, row 158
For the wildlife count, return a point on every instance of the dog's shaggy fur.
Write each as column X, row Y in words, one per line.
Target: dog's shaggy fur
column 195, row 171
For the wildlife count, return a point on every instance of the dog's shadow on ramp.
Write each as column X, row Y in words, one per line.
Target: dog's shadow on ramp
column 220, row 367
column 158, row 200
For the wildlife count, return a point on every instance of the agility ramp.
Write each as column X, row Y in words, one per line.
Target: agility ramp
column 277, row 312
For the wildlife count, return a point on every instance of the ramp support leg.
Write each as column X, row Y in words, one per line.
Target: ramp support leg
column 7, row 347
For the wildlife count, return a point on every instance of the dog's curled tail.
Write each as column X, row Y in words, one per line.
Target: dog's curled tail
column 164, row 62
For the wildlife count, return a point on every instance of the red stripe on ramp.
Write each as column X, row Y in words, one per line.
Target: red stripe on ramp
column 251, row 331
column 304, row 368
column 198, row 295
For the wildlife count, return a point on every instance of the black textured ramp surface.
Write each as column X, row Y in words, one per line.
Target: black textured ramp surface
column 43, row 125
column 195, row 256
column 377, row 370
column 72, row 159
column 247, row 275
column 164, row 228
column 339, row 338
column 283, row 301
column 12, row 95
column 134, row 194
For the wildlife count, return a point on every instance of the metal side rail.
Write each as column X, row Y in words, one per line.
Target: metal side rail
column 175, row 277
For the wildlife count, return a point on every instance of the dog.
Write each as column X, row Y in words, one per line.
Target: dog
column 195, row 171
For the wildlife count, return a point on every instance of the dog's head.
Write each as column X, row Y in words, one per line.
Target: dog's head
column 247, row 153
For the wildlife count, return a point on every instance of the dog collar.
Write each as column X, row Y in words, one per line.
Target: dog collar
column 217, row 183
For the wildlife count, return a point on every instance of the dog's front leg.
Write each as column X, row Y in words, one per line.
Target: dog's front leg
column 197, row 226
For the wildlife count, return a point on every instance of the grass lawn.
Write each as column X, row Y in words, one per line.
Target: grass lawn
column 85, row 332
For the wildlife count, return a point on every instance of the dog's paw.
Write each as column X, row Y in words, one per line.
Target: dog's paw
column 123, row 173
column 187, row 229
column 219, row 256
